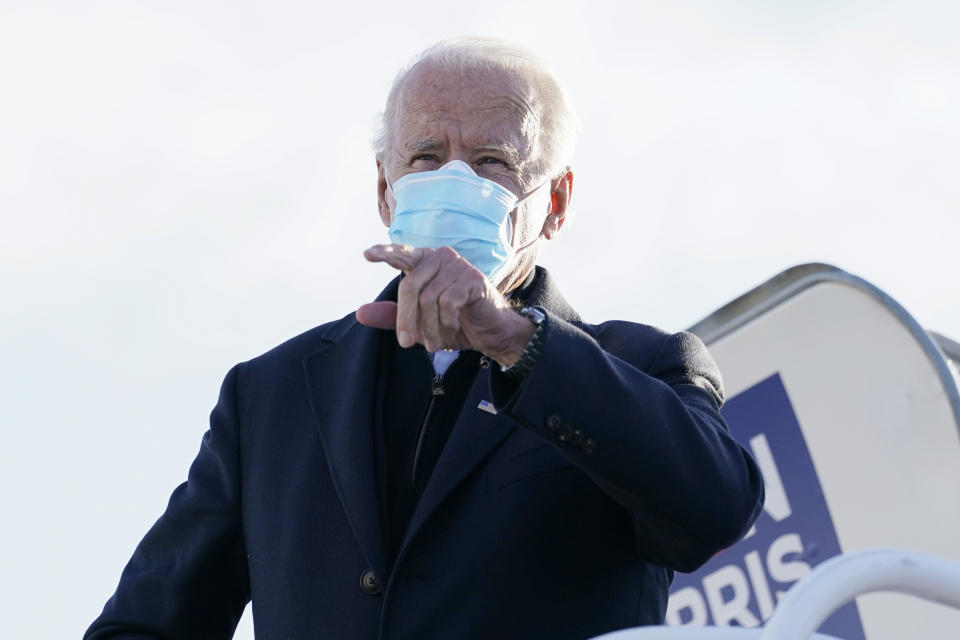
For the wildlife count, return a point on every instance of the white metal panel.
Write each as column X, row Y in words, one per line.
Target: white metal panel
column 877, row 417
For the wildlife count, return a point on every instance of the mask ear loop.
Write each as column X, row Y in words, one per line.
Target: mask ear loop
column 389, row 195
column 529, row 244
column 519, row 200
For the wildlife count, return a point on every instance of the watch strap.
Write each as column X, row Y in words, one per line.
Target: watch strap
column 520, row 369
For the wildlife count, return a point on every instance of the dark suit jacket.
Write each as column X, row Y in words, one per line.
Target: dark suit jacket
column 525, row 530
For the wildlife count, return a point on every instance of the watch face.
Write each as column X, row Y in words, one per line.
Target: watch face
column 536, row 316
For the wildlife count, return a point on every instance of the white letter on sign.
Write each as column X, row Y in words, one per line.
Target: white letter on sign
column 786, row 572
column 776, row 503
column 761, row 588
column 736, row 607
column 690, row 599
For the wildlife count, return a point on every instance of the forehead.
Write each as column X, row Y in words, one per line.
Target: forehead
column 477, row 106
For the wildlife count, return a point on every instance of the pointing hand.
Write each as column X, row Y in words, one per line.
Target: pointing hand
column 445, row 303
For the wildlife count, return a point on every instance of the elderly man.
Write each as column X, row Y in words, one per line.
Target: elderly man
column 463, row 457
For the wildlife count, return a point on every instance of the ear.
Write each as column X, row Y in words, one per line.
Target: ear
column 560, row 195
column 382, row 204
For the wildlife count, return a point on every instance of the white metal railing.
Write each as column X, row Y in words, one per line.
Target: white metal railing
column 827, row 588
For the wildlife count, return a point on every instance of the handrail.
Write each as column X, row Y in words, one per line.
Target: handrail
column 693, row 633
column 838, row 580
column 828, row 587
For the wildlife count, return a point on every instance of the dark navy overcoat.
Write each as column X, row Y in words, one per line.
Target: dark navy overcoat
column 561, row 516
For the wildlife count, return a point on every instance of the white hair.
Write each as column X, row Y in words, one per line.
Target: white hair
column 559, row 125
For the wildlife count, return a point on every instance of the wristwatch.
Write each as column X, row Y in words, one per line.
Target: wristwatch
column 524, row 365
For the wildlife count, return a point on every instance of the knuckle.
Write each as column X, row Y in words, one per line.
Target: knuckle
column 427, row 296
column 447, row 253
column 426, row 255
column 407, row 286
column 447, row 299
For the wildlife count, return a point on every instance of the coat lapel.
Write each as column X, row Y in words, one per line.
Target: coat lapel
column 341, row 378
column 477, row 433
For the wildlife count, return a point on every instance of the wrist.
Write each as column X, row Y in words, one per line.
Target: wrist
column 518, row 337
column 523, row 366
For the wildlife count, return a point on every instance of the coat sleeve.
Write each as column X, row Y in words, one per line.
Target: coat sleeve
column 188, row 577
column 649, row 433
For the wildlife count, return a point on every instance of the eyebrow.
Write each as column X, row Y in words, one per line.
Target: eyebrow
column 423, row 145
column 509, row 151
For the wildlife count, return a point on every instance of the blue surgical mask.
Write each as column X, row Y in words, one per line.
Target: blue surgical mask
column 454, row 207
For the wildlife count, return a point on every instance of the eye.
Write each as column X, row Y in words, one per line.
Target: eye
column 491, row 161
column 422, row 160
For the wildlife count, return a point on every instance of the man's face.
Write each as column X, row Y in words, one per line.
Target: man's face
column 483, row 118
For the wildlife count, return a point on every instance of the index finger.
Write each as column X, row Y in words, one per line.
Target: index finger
column 399, row 256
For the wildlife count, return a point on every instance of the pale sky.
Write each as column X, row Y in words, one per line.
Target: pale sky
column 184, row 185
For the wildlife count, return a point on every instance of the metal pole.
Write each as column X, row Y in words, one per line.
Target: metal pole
column 839, row 580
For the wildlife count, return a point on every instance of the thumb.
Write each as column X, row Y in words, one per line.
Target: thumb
column 379, row 315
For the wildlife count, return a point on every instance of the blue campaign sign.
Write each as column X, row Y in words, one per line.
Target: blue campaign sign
column 741, row 585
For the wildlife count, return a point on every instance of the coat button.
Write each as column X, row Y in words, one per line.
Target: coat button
column 587, row 446
column 577, row 437
column 369, row 583
column 565, row 433
column 554, row 422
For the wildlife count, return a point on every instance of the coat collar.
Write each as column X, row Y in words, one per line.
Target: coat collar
column 542, row 291
column 342, row 382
